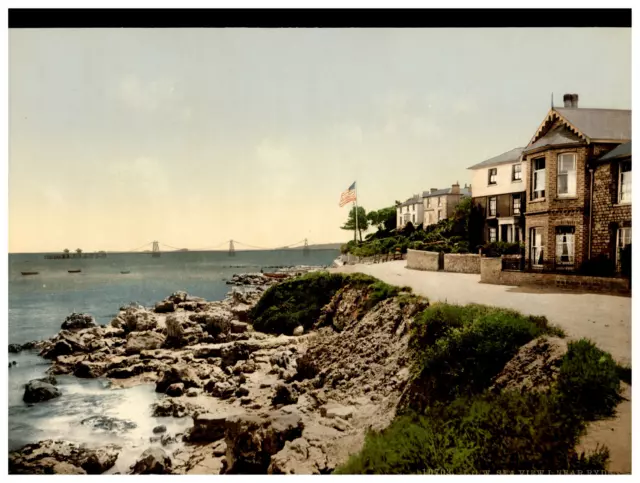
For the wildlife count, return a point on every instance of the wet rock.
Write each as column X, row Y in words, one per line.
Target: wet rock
column 154, row 461
column 209, row 427
column 252, row 440
column 171, row 407
column 38, row 391
column 165, row 306
column 108, row 423
column 175, row 390
column 61, row 457
column 60, row 348
column 284, row 394
column 139, row 341
column 15, row 348
column 238, row 327
column 49, row 380
column 298, row 330
column 78, row 321
column 180, row 373
column 160, row 429
column 86, row 369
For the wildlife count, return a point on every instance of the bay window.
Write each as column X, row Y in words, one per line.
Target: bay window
column 567, row 174
column 565, row 245
column 539, row 178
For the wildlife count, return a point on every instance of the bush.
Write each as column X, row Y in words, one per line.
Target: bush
column 497, row 249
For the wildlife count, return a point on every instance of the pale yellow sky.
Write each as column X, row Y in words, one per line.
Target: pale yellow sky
column 196, row 136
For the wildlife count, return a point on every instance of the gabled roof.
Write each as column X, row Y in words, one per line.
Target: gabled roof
column 555, row 137
column 412, row 201
column 620, row 151
column 504, row 158
column 608, row 125
column 446, row 191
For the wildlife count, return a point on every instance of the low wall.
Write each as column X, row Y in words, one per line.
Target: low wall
column 491, row 272
column 350, row 259
column 421, row 260
column 462, row 262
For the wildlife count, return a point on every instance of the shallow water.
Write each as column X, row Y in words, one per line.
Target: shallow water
column 38, row 305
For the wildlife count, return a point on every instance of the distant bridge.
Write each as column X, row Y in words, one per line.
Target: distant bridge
column 153, row 247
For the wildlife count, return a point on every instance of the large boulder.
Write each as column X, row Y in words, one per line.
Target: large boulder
column 218, row 321
column 180, row 373
column 15, row 348
column 171, row 407
column 285, row 395
column 78, row 321
column 60, row 348
column 61, row 457
column 139, row 320
column 178, row 297
column 38, row 391
column 89, row 370
column 139, row 341
column 154, row 461
column 165, row 306
column 252, row 440
column 209, row 427
column 298, row 457
column 175, row 332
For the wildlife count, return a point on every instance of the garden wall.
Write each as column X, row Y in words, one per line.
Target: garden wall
column 421, row 260
column 491, row 272
column 462, row 262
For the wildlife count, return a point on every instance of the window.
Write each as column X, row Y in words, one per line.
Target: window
column 516, row 173
column 624, row 239
column 440, row 201
column 439, row 215
column 428, row 202
column 567, row 174
column 624, row 182
column 516, row 204
column 538, row 178
column 492, row 234
column 506, row 233
column 413, row 219
column 565, row 246
column 492, row 206
column 537, row 249
column 493, row 175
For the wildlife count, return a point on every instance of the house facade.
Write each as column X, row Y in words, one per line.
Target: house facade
column 439, row 204
column 410, row 211
column 500, row 196
column 560, row 161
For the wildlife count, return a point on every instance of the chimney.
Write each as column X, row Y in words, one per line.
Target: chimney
column 455, row 189
column 433, row 190
column 570, row 101
column 574, row 101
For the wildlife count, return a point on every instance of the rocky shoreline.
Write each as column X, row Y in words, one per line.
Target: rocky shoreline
column 259, row 402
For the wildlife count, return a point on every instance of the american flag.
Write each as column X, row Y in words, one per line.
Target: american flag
column 349, row 195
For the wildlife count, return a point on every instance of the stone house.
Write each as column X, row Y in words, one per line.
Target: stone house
column 499, row 194
column 439, row 204
column 409, row 211
column 560, row 160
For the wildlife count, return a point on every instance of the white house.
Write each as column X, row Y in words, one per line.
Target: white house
column 411, row 210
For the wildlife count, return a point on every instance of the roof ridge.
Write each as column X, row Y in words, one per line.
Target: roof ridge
column 590, row 109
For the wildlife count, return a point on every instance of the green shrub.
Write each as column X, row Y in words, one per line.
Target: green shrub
column 589, row 380
column 497, row 249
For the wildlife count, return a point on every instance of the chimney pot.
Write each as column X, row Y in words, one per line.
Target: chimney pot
column 574, row 101
column 568, row 100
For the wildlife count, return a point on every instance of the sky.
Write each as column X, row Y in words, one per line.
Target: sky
column 191, row 137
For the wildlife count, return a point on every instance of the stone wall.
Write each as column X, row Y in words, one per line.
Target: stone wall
column 421, row 260
column 491, row 272
column 462, row 262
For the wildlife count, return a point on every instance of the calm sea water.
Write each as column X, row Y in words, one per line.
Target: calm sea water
column 39, row 303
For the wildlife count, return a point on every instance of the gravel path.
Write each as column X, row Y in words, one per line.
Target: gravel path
column 604, row 319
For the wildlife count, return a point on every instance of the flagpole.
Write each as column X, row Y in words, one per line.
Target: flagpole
column 356, row 205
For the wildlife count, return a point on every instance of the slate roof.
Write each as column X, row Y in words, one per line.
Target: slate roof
column 621, row 151
column 412, row 201
column 555, row 137
column 600, row 124
column 504, row 158
column 446, row 191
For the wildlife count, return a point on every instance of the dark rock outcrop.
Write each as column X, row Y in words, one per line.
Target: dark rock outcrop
column 154, row 461
column 178, row 374
column 38, row 391
column 78, row 321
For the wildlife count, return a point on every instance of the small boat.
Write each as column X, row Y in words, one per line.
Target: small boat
column 29, row 273
column 124, row 272
column 74, row 271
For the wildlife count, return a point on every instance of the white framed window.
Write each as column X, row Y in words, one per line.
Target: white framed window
column 624, row 239
column 492, row 206
column 440, row 201
column 493, row 234
column 493, row 175
column 624, row 182
column 516, row 204
column 539, row 179
column 565, row 245
column 537, row 248
column 507, row 233
column 567, row 174
column 428, row 202
column 516, row 172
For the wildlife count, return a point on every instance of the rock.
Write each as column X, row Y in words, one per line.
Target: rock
column 60, row 348
column 218, row 322
column 242, row 391
column 175, row 390
column 38, row 391
column 78, row 321
column 284, row 394
column 175, row 332
column 245, row 400
column 220, row 448
column 61, row 457
column 180, row 373
column 160, row 429
column 298, row 330
column 340, row 424
column 167, row 440
column 15, row 348
column 238, row 327
column 252, row 440
column 209, row 427
column 241, row 312
column 298, row 457
column 139, row 341
column 108, row 423
column 171, row 407
column 86, row 369
column 221, row 389
column 165, row 306
column 49, row 380
column 178, row 297
column 139, row 320
column 334, row 410
column 154, row 461
column 192, row 392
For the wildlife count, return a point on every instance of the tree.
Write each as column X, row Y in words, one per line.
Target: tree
column 66, row 250
column 79, row 251
column 383, row 219
column 363, row 223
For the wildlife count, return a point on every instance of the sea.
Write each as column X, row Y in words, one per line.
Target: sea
column 38, row 304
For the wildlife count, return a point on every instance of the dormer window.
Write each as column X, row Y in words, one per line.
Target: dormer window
column 493, row 175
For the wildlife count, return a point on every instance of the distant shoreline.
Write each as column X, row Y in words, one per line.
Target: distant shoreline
column 311, row 248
